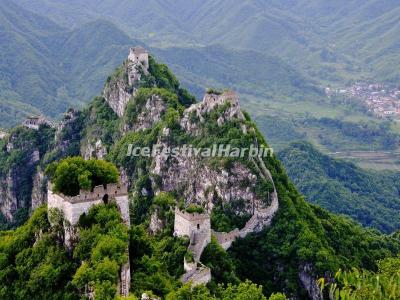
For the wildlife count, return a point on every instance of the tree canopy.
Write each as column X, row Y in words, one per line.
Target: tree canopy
column 74, row 173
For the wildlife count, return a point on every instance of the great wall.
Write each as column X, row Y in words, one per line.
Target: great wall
column 71, row 208
column 197, row 227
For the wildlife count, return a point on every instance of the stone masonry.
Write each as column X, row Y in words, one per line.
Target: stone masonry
column 198, row 228
column 73, row 207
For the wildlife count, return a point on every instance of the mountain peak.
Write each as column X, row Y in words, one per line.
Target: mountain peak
column 124, row 83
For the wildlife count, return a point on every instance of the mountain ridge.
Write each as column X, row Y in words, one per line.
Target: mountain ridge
column 288, row 256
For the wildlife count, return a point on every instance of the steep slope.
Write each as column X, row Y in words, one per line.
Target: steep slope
column 368, row 197
column 45, row 69
column 302, row 243
column 68, row 67
column 26, row 62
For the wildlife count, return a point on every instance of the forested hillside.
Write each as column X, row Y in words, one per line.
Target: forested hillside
column 370, row 197
column 330, row 41
column 303, row 242
column 59, row 68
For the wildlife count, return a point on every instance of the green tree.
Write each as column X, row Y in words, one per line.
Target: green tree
column 74, row 173
column 365, row 285
column 243, row 291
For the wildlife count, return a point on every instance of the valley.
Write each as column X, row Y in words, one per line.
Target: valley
column 281, row 80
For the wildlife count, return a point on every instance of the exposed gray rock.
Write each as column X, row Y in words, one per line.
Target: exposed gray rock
column 156, row 224
column 150, row 114
column 309, row 282
column 9, row 202
column 95, row 150
column 120, row 89
column 194, row 115
column 201, row 183
column 39, row 190
column 117, row 95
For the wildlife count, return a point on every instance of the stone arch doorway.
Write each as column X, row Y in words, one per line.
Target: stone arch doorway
column 105, row 199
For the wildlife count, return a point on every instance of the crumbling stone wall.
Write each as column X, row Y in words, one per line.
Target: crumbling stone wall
column 73, row 207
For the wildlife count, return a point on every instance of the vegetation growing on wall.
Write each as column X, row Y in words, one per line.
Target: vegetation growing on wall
column 72, row 174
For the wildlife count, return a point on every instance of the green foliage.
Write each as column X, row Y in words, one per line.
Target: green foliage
column 157, row 261
column 164, row 203
column 74, row 173
column 164, row 200
column 67, row 139
column 187, row 292
column 300, row 233
column 213, row 91
column 243, row 291
column 119, row 153
column 224, row 216
column 193, row 208
column 303, row 234
column 221, row 264
column 33, row 264
column 25, row 141
column 378, row 135
column 361, row 284
column 102, row 245
column 20, row 164
column 162, row 77
column 101, row 122
column 137, row 105
column 368, row 197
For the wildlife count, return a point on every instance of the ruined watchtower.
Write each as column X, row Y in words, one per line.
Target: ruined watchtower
column 34, row 122
column 187, row 224
column 197, row 227
column 139, row 54
column 73, row 207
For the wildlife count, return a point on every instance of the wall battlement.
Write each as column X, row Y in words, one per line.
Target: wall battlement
column 35, row 122
column 98, row 193
column 191, row 217
column 73, row 207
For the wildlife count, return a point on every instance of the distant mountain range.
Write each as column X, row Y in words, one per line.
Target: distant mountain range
column 329, row 40
column 47, row 68
column 279, row 55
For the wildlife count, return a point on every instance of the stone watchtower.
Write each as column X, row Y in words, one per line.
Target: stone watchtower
column 35, row 122
column 190, row 224
column 73, row 207
column 197, row 227
column 139, row 54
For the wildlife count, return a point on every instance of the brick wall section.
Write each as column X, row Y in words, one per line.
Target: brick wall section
column 73, row 207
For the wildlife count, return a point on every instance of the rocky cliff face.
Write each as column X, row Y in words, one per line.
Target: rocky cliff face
column 9, row 201
column 120, row 88
column 170, row 122
column 24, row 155
column 194, row 115
column 16, row 186
column 309, row 282
column 148, row 115
column 199, row 182
column 39, row 190
column 95, row 150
